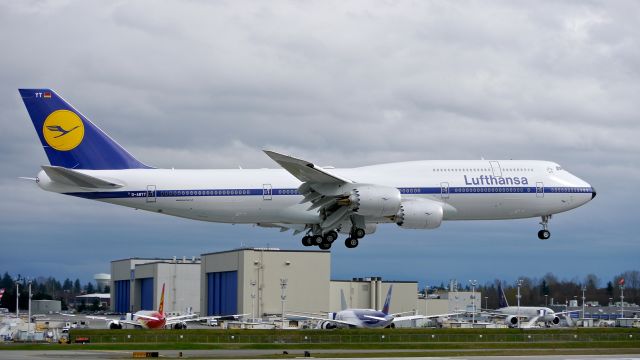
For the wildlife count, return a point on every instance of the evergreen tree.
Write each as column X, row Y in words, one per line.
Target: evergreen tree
column 90, row 289
column 67, row 285
column 77, row 288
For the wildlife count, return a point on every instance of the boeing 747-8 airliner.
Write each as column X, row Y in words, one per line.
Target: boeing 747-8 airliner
column 85, row 162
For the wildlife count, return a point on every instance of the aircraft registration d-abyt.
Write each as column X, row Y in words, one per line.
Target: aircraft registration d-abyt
column 319, row 202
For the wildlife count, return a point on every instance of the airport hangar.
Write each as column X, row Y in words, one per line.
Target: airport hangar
column 249, row 281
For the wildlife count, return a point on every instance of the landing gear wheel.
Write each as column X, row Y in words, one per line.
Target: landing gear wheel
column 330, row 237
column 306, row 240
column 359, row 233
column 325, row 246
column 316, row 240
column 544, row 234
column 351, row 243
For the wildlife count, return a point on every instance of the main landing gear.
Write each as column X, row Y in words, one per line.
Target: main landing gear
column 544, row 234
column 325, row 241
column 352, row 240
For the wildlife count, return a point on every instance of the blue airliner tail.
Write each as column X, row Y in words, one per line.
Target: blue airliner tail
column 69, row 139
column 502, row 298
column 387, row 301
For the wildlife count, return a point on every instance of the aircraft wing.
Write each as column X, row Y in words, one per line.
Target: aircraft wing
column 325, row 319
column 419, row 317
column 182, row 317
column 127, row 322
column 146, row 317
column 375, row 318
column 304, row 170
column 327, row 192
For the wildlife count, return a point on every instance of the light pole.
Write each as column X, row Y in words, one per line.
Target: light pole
column 622, row 300
column 283, row 296
column 546, row 298
column 17, row 297
column 519, row 283
column 426, row 298
column 253, row 300
column 584, row 288
column 29, row 323
column 486, row 302
column 473, row 283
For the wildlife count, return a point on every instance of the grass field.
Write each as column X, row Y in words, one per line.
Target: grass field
column 361, row 342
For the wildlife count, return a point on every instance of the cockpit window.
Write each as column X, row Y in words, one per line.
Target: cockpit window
column 558, row 167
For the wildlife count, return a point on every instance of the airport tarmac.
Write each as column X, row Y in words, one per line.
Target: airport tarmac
column 253, row 354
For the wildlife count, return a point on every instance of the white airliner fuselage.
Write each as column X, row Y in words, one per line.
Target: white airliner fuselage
column 467, row 190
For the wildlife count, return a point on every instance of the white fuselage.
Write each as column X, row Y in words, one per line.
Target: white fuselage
column 467, row 190
column 365, row 318
column 539, row 313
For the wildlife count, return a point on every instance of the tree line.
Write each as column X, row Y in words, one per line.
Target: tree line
column 43, row 288
column 558, row 291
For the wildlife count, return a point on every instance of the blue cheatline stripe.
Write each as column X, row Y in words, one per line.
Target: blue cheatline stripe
column 458, row 190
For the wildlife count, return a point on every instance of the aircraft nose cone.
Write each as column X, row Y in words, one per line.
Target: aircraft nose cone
column 593, row 193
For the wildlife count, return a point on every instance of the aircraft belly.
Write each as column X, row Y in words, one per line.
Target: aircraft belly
column 231, row 209
column 506, row 206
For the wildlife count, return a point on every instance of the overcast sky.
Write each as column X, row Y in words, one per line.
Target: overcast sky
column 209, row 84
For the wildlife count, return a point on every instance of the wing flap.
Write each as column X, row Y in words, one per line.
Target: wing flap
column 76, row 178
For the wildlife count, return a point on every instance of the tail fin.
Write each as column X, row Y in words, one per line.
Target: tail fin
column 502, row 298
column 69, row 139
column 387, row 301
column 343, row 301
column 161, row 306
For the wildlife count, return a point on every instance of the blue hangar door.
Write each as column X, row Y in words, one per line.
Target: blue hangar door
column 121, row 289
column 222, row 293
column 146, row 294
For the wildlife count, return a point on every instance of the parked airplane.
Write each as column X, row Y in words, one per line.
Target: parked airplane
column 364, row 318
column 148, row 319
column 514, row 315
column 87, row 163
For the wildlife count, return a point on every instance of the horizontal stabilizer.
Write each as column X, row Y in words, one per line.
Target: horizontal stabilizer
column 76, row 178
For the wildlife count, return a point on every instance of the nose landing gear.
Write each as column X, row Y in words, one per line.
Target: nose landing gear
column 544, row 234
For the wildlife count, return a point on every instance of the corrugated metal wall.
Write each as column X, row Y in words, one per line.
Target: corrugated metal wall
column 146, row 294
column 222, row 293
column 122, row 294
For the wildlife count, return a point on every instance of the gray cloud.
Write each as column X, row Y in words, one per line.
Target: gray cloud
column 210, row 84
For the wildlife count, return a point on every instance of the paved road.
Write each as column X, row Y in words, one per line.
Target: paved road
column 248, row 354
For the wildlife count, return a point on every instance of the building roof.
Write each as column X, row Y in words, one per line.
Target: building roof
column 265, row 249
column 96, row 295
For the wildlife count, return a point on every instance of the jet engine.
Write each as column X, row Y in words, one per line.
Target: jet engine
column 180, row 326
column 115, row 325
column 323, row 324
column 419, row 214
column 373, row 200
column 512, row 321
column 556, row 320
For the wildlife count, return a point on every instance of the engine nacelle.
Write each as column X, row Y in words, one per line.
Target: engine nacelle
column 512, row 321
column 115, row 325
column 180, row 326
column 323, row 324
column 375, row 200
column 556, row 320
column 419, row 214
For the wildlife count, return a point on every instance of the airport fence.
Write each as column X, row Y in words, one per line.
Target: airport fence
column 354, row 338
